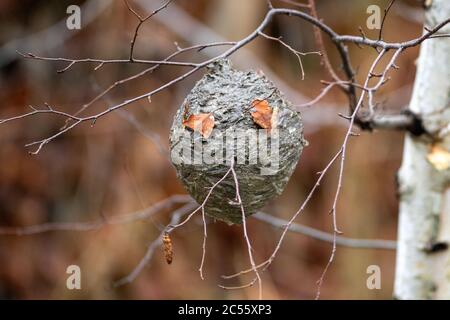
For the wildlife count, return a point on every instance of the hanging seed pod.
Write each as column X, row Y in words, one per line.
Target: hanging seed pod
column 168, row 248
column 240, row 118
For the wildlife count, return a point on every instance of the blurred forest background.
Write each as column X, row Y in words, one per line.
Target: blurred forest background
column 113, row 168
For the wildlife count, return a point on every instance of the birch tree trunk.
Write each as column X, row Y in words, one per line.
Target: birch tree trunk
column 423, row 256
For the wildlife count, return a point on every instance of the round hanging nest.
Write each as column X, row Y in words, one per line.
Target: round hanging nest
column 240, row 119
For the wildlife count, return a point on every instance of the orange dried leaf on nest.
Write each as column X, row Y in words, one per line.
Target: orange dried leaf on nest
column 264, row 115
column 202, row 123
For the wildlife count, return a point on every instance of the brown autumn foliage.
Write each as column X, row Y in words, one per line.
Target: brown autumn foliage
column 202, row 123
column 264, row 115
column 113, row 168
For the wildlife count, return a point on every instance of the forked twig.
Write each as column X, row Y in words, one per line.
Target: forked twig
column 297, row 53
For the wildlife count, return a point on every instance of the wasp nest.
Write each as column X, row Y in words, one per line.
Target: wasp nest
column 240, row 119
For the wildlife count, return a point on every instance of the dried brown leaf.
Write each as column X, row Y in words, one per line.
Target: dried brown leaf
column 264, row 115
column 202, row 123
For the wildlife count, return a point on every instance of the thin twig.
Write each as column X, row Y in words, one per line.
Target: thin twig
column 246, row 237
column 386, row 11
column 297, row 53
column 95, row 225
column 101, row 62
column 322, row 93
column 343, row 154
column 267, row 262
column 141, row 21
column 176, row 216
column 202, row 208
column 205, row 236
column 319, row 41
column 151, row 69
column 325, row 236
column 295, row 3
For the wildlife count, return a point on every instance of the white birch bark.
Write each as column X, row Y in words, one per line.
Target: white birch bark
column 423, row 260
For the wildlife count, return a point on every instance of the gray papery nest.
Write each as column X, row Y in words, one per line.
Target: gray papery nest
column 263, row 159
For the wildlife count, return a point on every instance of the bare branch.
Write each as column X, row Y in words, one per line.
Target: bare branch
column 176, row 216
column 386, row 11
column 325, row 236
column 179, row 51
column 337, row 39
column 343, row 154
column 205, row 236
column 101, row 62
column 323, row 92
column 392, row 45
column 267, row 262
column 247, row 285
column 244, row 227
column 95, row 225
column 295, row 3
column 141, row 21
column 298, row 54
column 405, row 121
column 171, row 227
column 319, row 41
column 39, row 111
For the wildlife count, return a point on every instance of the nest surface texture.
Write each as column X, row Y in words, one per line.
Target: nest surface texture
column 229, row 96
